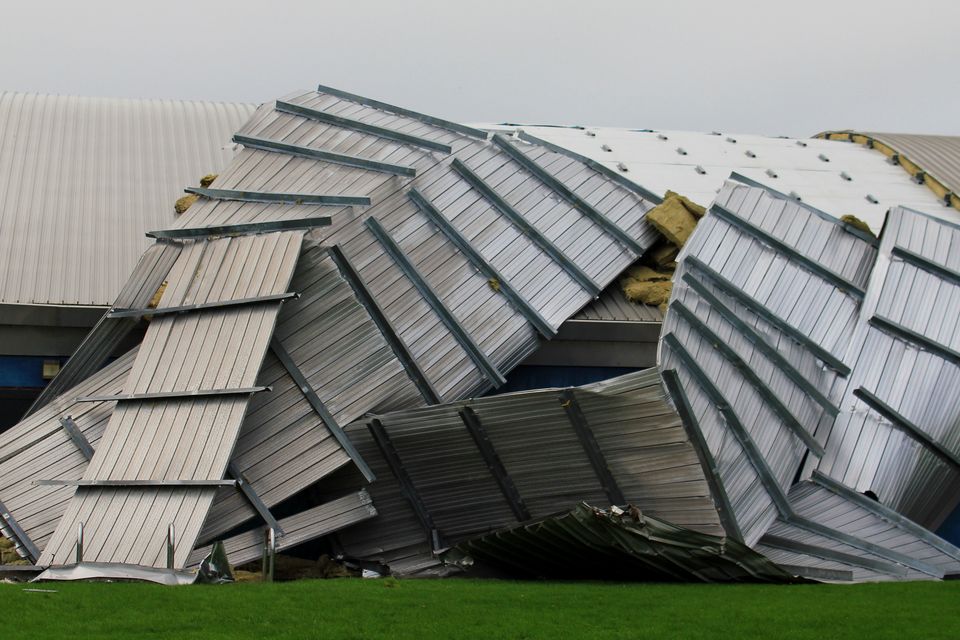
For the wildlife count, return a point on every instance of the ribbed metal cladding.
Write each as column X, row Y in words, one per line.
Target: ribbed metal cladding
column 82, row 179
column 108, row 333
column 937, row 155
column 180, row 439
column 307, row 525
column 640, row 438
column 911, row 371
column 777, row 395
column 284, row 446
column 499, row 330
column 612, row 305
column 39, row 449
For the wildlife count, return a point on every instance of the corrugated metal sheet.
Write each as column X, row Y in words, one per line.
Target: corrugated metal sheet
column 904, row 354
column 448, row 345
column 640, row 439
column 835, row 528
column 773, row 330
column 305, row 526
column 109, row 333
column 82, row 179
column 696, row 164
column 39, row 448
column 590, row 543
column 612, row 305
column 180, row 438
column 931, row 160
column 734, row 295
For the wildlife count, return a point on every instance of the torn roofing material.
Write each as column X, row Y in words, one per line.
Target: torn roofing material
column 771, row 332
column 437, row 290
column 179, row 439
column 615, row 544
column 899, row 437
column 451, row 472
column 841, row 179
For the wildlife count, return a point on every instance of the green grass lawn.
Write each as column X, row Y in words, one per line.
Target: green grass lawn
column 354, row 608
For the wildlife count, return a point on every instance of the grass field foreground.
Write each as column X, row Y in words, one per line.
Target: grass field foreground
column 482, row 609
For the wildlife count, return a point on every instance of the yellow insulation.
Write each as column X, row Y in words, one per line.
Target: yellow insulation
column 184, row 203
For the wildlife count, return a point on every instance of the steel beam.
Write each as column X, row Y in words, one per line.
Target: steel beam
column 321, row 409
column 20, row 536
column 849, row 228
column 795, row 256
column 761, row 345
column 756, row 307
column 327, row 156
column 749, row 375
column 616, row 176
column 534, row 234
column 608, row 226
column 498, row 281
column 376, row 104
column 176, row 395
column 479, row 434
column 79, row 440
column 187, row 308
column 430, row 296
column 917, row 339
column 389, row 332
column 732, row 420
column 253, row 498
column 922, row 262
column 363, row 127
column 597, row 460
column 279, row 198
column 246, row 228
column 407, row 488
column 786, row 544
column 902, row 423
column 708, row 463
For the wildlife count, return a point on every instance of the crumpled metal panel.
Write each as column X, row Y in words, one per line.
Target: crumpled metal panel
column 38, row 448
column 775, row 331
column 456, row 485
column 591, row 543
column 302, row 527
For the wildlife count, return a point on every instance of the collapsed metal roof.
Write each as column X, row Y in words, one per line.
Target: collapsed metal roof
column 836, row 178
column 81, row 179
column 359, row 261
column 449, row 254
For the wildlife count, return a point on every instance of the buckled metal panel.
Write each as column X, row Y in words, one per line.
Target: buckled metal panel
column 640, row 437
column 721, row 361
column 912, row 473
column 180, row 439
column 284, row 446
column 103, row 339
column 304, row 526
column 38, row 448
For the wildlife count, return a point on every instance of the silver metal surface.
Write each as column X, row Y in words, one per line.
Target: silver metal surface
column 180, row 439
column 81, row 180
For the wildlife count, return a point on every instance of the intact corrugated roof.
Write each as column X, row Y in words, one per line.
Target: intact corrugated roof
column 82, row 179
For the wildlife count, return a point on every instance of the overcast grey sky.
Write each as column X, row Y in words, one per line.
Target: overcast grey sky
column 747, row 66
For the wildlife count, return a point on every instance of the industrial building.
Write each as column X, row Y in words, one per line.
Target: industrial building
column 318, row 329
